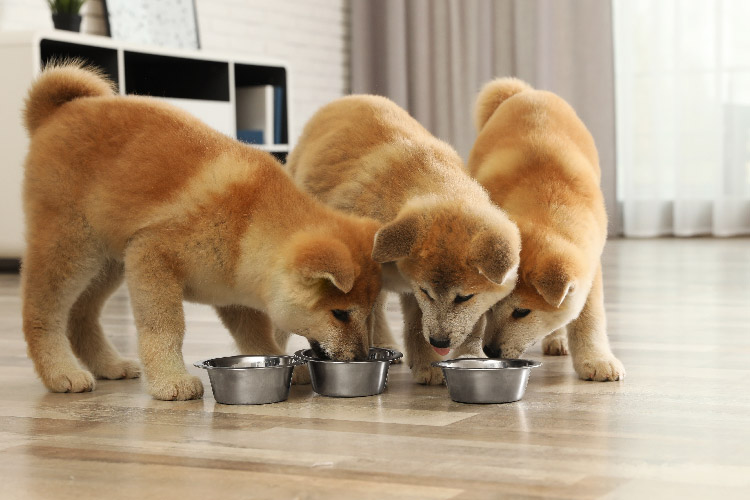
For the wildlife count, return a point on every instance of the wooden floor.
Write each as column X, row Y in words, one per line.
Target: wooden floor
column 677, row 427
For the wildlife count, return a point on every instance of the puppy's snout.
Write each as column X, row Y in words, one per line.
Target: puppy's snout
column 492, row 352
column 318, row 350
column 352, row 352
column 440, row 343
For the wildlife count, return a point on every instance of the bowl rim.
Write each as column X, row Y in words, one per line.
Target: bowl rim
column 295, row 361
column 449, row 364
column 392, row 356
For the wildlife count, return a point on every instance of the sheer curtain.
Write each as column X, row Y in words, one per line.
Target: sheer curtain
column 433, row 56
column 682, row 80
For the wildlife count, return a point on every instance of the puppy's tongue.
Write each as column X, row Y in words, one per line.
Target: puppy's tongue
column 442, row 351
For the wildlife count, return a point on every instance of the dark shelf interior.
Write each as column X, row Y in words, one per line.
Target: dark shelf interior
column 247, row 75
column 280, row 155
column 10, row 266
column 165, row 76
column 176, row 77
column 103, row 58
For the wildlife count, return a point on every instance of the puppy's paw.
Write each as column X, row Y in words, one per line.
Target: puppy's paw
column 467, row 352
column 301, row 375
column 602, row 369
column 75, row 380
column 554, row 345
column 428, row 375
column 119, row 369
column 393, row 347
column 176, row 388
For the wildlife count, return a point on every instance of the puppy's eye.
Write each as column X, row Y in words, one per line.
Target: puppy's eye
column 520, row 313
column 462, row 298
column 340, row 315
column 426, row 293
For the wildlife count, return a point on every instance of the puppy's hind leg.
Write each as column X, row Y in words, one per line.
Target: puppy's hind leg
column 56, row 269
column 379, row 329
column 301, row 374
column 419, row 354
column 85, row 333
column 472, row 346
column 281, row 337
column 556, row 343
column 587, row 336
column 252, row 330
column 254, row 334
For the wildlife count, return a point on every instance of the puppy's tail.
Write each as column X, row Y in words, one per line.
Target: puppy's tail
column 492, row 96
column 59, row 83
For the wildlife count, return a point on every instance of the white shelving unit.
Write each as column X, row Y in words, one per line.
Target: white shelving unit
column 203, row 83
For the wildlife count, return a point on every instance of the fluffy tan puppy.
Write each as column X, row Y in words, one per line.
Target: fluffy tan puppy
column 129, row 185
column 539, row 163
column 446, row 248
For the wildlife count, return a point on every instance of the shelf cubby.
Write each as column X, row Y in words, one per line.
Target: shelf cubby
column 101, row 57
column 200, row 82
column 179, row 77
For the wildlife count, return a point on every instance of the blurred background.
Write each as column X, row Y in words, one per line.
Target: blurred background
column 663, row 85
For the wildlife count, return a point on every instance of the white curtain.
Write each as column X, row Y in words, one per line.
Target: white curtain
column 682, row 85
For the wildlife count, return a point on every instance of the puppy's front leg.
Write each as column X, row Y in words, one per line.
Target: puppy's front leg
column 419, row 354
column 380, row 331
column 587, row 338
column 556, row 343
column 472, row 346
column 156, row 295
column 252, row 330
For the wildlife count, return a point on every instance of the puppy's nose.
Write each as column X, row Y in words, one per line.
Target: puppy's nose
column 318, row 350
column 492, row 352
column 440, row 344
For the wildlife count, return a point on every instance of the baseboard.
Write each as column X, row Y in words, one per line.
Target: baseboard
column 10, row 266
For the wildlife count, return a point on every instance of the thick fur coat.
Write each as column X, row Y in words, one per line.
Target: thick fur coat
column 129, row 186
column 445, row 247
column 539, row 163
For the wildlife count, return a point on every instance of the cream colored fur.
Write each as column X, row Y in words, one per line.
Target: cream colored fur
column 443, row 238
column 539, row 163
column 128, row 186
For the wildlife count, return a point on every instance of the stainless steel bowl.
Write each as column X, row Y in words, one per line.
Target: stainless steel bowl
column 250, row 380
column 350, row 379
column 482, row 380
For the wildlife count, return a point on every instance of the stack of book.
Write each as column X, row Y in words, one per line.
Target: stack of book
column 260, row 114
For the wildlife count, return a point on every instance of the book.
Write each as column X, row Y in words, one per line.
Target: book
column 256, row 110
column 250, row 136
column 278, row 115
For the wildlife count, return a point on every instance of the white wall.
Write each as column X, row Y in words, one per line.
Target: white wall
column 311, row 35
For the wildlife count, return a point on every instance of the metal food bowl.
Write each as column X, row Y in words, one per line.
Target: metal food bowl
column 250, row 380
column 482, row 380
column 350, row 379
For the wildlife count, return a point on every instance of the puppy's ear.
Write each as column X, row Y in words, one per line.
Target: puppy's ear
column 554, row 283
column 395, row 240
column 494, row 256
column 326, row 259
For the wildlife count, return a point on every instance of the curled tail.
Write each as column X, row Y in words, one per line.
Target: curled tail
column 58, row 84
column 492, row 96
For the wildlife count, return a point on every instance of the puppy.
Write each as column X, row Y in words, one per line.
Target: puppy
column 445, row 247
column 539, row 163
column 130, row 185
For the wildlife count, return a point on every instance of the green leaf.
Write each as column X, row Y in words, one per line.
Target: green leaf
column 65, row 6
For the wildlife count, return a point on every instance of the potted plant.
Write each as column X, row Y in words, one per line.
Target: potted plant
column 65, row 14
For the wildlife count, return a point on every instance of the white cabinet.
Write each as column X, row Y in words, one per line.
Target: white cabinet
column 202, row 83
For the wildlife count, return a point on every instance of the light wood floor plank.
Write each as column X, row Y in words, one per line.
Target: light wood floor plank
column 677, row 427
